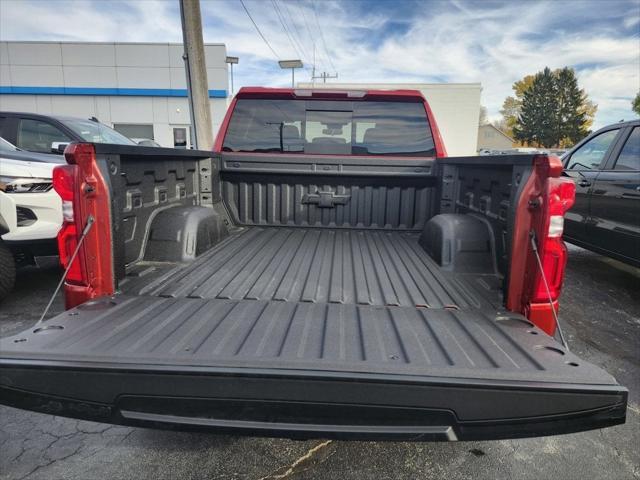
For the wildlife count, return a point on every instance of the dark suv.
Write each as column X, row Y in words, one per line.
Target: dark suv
column 51, row 134
column 606, row 215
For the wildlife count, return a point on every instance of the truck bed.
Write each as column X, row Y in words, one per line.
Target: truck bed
column 329, row 299
column 303, row 316
column 348, row 267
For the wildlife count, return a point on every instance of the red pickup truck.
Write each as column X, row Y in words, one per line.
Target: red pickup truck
column 327, row 271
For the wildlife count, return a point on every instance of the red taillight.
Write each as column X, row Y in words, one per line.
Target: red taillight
column 67, row 243
column 559, row 197
column 540, row 213
column 85, row 199
column 64, row 183
column 64, row 178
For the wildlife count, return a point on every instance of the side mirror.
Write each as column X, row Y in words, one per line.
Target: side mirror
column 58, row 147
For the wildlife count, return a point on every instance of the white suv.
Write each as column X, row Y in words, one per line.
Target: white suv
column 30, row 210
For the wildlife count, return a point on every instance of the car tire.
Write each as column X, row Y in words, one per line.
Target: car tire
column 7, row 271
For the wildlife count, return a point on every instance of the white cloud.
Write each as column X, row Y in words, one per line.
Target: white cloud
column 82, row 20
column 632, row 19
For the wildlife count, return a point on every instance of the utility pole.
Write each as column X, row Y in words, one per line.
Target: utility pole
column 196, row 73
column 313, row 72
column 324, row 76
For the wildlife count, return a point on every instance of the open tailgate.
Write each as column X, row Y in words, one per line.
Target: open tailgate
column 305, row 370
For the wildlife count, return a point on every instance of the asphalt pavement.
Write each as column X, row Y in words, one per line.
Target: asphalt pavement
column 600, row 311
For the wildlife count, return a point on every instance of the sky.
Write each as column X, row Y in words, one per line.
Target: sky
column 492, row 42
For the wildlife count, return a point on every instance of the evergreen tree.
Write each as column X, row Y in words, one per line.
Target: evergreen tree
column 512, row 105
column 570, row 117
column 536, row 123
column 555, row 111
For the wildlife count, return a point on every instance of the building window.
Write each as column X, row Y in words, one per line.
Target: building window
column 180, row 137
column 134, row 131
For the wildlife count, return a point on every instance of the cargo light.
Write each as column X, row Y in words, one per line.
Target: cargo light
column 327, row 93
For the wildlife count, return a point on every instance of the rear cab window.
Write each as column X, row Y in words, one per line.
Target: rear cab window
column 330, row 128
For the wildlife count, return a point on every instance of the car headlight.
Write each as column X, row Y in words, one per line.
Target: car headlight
column 24, row 185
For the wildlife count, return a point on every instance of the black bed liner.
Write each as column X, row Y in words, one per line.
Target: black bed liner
column 319, row 265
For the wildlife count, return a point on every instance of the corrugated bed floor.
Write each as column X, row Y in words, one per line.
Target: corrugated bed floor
column 303, row 336
column 311, row 300
column 362, row 267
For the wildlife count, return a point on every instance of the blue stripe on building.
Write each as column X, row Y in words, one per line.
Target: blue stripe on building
column 116, row 92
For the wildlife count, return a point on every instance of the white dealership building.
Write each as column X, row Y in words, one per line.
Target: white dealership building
column 140, row 89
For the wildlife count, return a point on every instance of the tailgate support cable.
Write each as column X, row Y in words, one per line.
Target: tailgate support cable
column 534, row 246
column 85, row 231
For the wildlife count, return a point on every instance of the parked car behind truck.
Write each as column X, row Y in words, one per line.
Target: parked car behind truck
column 327, row 271
column 51, row 134
column 605, row 167
column 30, row 210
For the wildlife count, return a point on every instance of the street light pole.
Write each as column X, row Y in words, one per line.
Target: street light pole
column 231, row 61
column 292, row 64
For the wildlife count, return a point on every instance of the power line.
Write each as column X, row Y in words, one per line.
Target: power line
column 304, row 18
column 324, row 44
column 309, row 32
column 295, row 26
column 258, row 30
column 284, row 26
column 292, row 39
